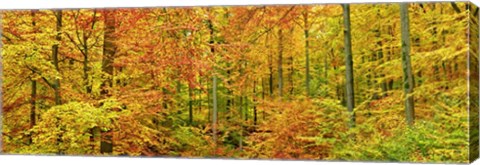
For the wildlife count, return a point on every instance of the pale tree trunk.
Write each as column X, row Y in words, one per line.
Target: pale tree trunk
column 406, row 64
column 214, row 87
column 349, row 64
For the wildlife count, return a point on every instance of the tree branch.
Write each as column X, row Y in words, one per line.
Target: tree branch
column 455, row 7
column 270, row 29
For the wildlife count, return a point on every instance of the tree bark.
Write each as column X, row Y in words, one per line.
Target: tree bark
column 270, row 67
column 214, row 88
column 406, row 64
column 56, row 82
column 254, row 103
column 307, row 55
column 33, row 94
column 109, row 50
column 108, row 57
column 280, row 62
column 349, row 64
column 190, row 106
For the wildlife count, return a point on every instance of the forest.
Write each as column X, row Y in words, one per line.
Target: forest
column 361, row 82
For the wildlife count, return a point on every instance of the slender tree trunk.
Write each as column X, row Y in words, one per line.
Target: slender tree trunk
column 208, row 103
column 190, row 106
column 241, row 122
column 199, row 92
column 33, row 95
column 270, row 67
column 86, row 83
column 307, row 57
column 349, row 64
column 229, row 92
column 280, row 62
column 254, row 103
column 56, row 83
column 325, row 65
column 383, row 85
column 291, row 86
column 214, row 88
column 406, row 64
column 33, row 104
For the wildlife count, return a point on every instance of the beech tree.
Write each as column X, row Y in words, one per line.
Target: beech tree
column 262, row 82
column 408, row 83
column 349, row 64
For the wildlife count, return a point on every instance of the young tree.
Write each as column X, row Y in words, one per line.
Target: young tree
column 214, row 88
column 33, row 95
column 348, row 63
column 408, row 84
column 280, row 62
column 55, row 54
column 307, row 53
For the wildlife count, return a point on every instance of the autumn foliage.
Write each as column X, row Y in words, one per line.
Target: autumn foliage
column 244, row 82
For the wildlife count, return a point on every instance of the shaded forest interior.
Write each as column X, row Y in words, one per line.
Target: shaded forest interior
column 333, row 82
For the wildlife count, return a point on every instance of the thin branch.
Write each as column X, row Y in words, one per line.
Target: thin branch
column 93, row 22
column 76, row 27
column 455, row 7
column 276, row 24
column 39, row 73
column 75, row 43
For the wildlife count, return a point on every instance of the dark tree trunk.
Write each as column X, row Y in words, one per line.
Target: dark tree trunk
column 109, row 50
column 33, row 95
column 55, row 54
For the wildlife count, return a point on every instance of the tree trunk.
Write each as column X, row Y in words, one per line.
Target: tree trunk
column 88, row 88
column 280, row 61
column 33, row 104
column 349, row 64
column 270, row 67
column 33, row 95
column 190, row 106
column 56, row 83
column 406, row 64
column 383, row 85
column 291, row 86
column 214, row 88
column 229, row 91
column 254, row 103
column 208, row 102
column 109, row 49
column 240, row 142
column 307, row 58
